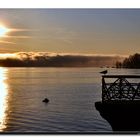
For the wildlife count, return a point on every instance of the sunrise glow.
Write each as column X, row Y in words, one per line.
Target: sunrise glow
column 3, row 30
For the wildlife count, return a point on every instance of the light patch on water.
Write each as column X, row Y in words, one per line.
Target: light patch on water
column 3, row 98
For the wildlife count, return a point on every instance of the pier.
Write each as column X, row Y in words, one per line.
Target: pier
column 120, row 104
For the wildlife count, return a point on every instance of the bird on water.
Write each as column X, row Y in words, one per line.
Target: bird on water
column 104, row 72
column 46, row 100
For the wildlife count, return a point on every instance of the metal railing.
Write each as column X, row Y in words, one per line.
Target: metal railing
column 120, row 88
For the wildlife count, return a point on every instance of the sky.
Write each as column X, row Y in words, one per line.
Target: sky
column 74, row 31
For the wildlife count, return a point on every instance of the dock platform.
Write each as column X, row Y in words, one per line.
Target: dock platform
column 120, row 104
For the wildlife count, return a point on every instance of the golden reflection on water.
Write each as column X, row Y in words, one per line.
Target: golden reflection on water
column 3, row 98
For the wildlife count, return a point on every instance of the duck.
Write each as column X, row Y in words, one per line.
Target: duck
column 46, row 100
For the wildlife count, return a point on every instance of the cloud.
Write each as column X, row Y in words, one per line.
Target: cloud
column 6, row 42
column 7, row 36
column 55, row 33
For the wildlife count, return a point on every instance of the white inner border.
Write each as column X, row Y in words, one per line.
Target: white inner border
column 70, row 4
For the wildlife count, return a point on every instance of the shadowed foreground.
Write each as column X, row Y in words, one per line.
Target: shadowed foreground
column 120, row 104
column 122, row 115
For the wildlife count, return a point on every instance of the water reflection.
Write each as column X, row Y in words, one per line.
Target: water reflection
column 3, row 98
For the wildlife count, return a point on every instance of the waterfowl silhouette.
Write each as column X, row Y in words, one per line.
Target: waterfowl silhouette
column 46, row 100
column 104, row 72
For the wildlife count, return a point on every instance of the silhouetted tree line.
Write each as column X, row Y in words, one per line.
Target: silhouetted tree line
column 59, row 61
column 133, row 61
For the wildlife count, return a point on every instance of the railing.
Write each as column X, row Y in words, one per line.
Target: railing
column 121, row 88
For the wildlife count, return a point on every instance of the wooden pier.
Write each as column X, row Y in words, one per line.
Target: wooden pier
column 120, row 104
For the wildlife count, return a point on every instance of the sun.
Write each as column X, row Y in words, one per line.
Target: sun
column 3, row 30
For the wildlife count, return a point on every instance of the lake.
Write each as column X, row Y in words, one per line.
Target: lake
column 72, row 93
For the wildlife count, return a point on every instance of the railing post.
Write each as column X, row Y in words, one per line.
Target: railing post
column 103, row 89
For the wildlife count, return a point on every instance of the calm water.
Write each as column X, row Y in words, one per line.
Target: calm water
column 72, row 93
